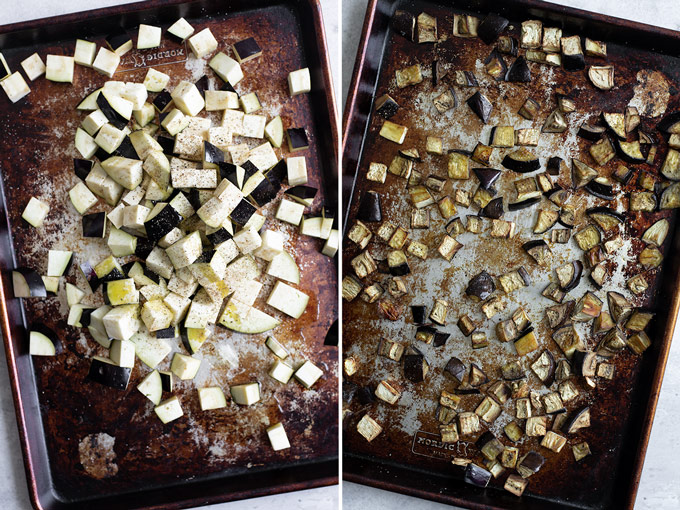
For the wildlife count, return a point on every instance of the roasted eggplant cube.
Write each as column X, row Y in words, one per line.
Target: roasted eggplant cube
column 572, row 54
column 491, row 27
column 481, row 106
column 404, row 23
column 411, row 75
column 445, row 101
column 466, row 325
column 415, row 367
column 386, row 107
column 458, row 166
column 426, row 26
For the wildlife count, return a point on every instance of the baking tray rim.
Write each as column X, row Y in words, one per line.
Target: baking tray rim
column 20, row 412
column 350, row 116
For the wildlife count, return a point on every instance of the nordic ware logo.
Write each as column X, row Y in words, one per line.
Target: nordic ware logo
column 431, row 445
column 169, row 53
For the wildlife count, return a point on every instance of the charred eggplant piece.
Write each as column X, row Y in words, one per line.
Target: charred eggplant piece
column 539, row 251
column 519, row 71
column 440, row 338
column 650, row 257
column 482, row 154
column 616, row 123
column 619, row 307
column 565, row 104
column 545, row 221
column 477, row 376
column 477, row 476
column 530, row 464
column 569, row 275
column 370, row 209
column 456, row 369
column 671, row 165
column 481, row 286
column 602, row 151
column 567, row 339
column 426, row 26
column 567, row 217
column 508, row 45
column 582, row 174
column 486, row 176
column 555, row 123
column 398, row 263
column 530, row 35
column 670, row 123
column 415, row 367
column 493, row 209
column 556, row 165
column 554, row 292
column 523, row 204
column 606, row 217
column 446, row 101
column 591, row 132
column 481, row 106
column 602, row 77
column 580, row 420
column 572, row 54
column 404, row 23
column 623, row 174
column 544, row 367
column 600, row 187
column 670, row 198
column 385, row 106
column 558, row 314
column 419, row 314
column 495, row 65
column 639, row 321
column 587, row 308
column 527, row 136
column 491, row 27
column 529, row 109
column 521, row 161
column 426, row 333
column 502, row 136
column 465, row 79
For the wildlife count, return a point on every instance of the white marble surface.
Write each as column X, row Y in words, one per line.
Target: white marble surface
column 13, row 490
column 659, row 487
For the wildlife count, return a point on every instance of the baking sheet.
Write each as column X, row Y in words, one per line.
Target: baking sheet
column 408, row 444
column 100, row 443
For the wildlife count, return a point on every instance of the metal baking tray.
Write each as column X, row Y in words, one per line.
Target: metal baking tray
column 202, row 458
column 408, row 456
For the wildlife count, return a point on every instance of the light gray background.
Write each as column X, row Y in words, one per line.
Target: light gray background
column 659, row 487
column 13, row 489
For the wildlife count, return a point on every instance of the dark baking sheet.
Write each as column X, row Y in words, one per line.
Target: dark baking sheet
column 203, row 457
column 412, row 462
